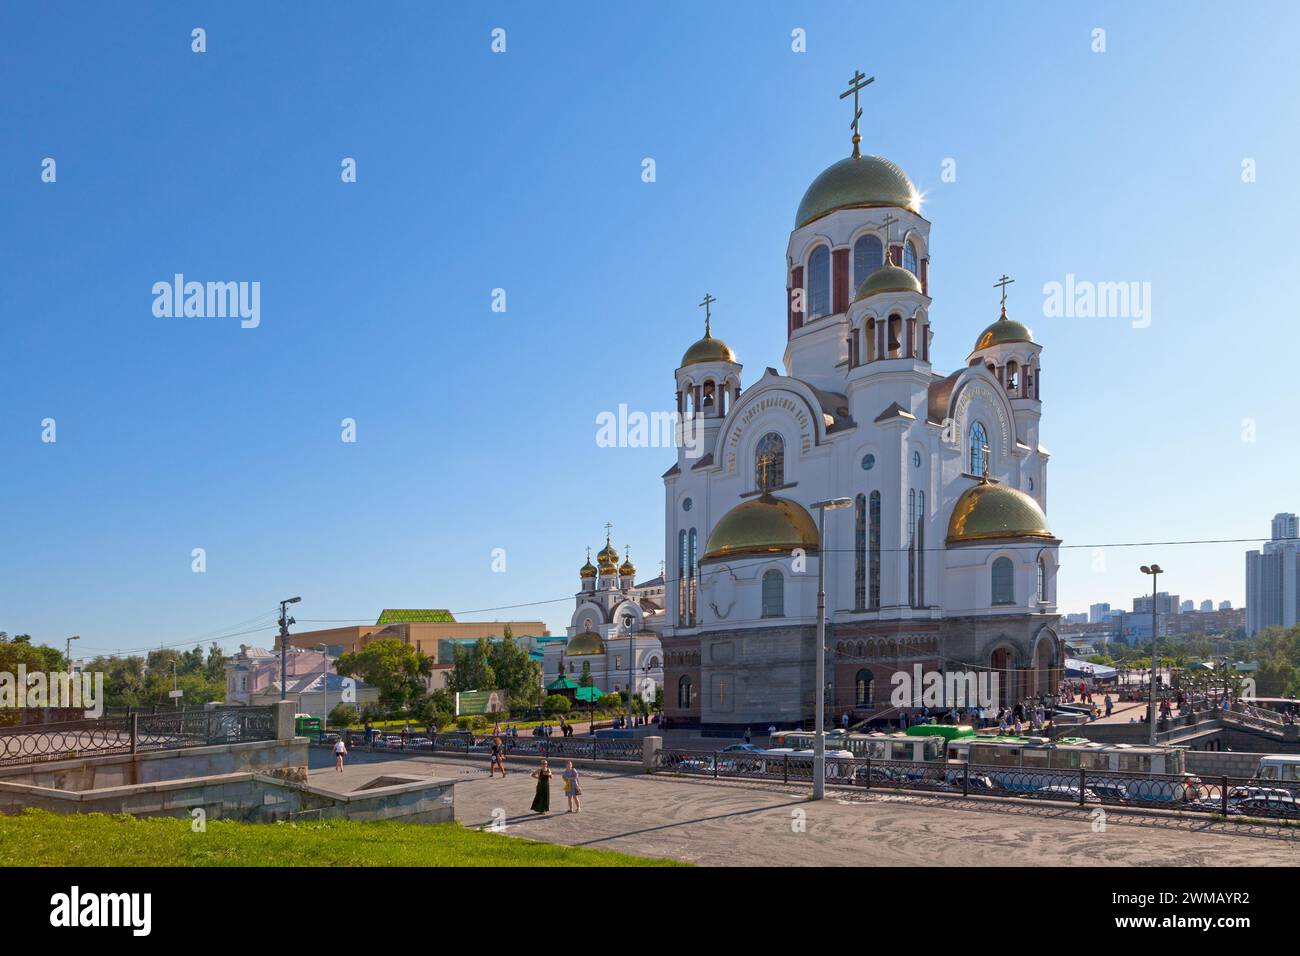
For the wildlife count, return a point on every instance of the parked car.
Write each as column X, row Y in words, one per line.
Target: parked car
column 1065, row 791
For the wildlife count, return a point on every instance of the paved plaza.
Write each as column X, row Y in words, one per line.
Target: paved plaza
column 744, row 823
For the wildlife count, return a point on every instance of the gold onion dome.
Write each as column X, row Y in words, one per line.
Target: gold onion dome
column 889, row 278
column 988, row 512
column 708, row 349
column 607, row 558
column 1003, row 332
column 588, row 570
column 588, row 642
column 856, row 182
column 762, row 525
column 627, row 569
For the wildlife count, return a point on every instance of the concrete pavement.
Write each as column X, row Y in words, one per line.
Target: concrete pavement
column 747, row 823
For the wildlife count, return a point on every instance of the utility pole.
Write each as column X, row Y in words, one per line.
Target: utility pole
column 819, row 699
column 284, row 646
column 68, row 653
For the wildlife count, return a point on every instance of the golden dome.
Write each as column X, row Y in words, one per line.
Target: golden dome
column 708, row 349
column 856, row 182
column 988, row 512
column 888, row 278
column 607, row 558
column 762, row 525
column 586, row 643
column 588, row 570
column 627, row 569
column 1002, row 332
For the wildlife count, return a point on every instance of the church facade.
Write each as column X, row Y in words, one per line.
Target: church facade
column 614, row 632
column 944, row 558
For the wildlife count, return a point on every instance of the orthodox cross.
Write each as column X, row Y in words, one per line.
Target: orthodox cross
column 763, row 462
column 985, row 449
column 890, row 219
column 1002, row 283
column 858, row 82
column 608, row 528
column 708, row 301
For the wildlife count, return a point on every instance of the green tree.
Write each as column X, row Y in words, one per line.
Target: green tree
column 556, row 704
column 471, row 667
column 397, row 669
column 516, row 673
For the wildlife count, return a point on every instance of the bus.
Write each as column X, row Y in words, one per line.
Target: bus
column 1284, row 768
column 1026, row 763
column 915, row 747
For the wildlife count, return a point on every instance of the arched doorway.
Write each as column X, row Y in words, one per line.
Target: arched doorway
column 1044, row 663
column 1000, row 663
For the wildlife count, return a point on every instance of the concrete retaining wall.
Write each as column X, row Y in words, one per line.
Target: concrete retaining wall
column 245, row 796
column 282, row 758
column 1219, row 763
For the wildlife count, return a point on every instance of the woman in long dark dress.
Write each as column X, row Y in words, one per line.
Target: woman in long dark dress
column 542, row 799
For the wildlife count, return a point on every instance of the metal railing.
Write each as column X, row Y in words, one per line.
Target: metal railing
column 129, row 733
column 1227, row 796
column 571, row 748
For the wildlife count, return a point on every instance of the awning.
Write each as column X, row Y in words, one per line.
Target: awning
column 1078, row 668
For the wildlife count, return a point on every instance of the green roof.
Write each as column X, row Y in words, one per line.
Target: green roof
column 407, row 616
column 588, row 693
column 946, row 731
column 562, row 683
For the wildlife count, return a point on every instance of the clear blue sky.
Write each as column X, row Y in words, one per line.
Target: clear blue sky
column 476, row 430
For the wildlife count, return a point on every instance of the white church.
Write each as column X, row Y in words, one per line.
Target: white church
column 945, row 558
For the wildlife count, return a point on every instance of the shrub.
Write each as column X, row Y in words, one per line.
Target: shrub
column 343, row 715
column 556, row 704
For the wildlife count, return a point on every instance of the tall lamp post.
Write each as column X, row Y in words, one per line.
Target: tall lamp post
column 1155, row 571
column 284, row 646
column 68, row 652
column 819, row 737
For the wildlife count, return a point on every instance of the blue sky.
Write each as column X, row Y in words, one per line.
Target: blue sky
column 475, row 429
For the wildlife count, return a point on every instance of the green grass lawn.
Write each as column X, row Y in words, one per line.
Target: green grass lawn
column 40, row 838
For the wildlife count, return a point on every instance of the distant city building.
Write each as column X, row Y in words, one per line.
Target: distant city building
column 1207, row 606
column 1225, row 605
column 1187, row 607
column 1079, row 618
column 1166, row 603
column 1097, row 613
column 1273, row 578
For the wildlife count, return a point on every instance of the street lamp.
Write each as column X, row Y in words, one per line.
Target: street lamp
column 1155, row 571
column 819, row 737
column 68, row 652
column 325, row 688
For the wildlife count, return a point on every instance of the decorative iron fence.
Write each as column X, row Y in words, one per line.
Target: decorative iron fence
column 1227, row 796
column 567, row 748
column 128, row 733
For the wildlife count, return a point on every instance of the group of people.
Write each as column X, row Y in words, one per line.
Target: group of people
column 542, row 795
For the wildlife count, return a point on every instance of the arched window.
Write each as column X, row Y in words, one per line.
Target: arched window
column 684, row 692
column 681, row 579
column 1042, row 580
column 769, row 462
column 819, row 282
column 1013, row 377
column 1004, row 581
column 773, row 593
column 979, row 455
column 693, row 571
column 868, row 255
column 863, row 688
column 873, row 541
column 860, row 553
column 909, row 257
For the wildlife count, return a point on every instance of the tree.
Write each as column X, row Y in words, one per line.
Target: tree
column 471, row 667
column 516, row 673
column 343, row 715
column 556, row 704
column 397, row 669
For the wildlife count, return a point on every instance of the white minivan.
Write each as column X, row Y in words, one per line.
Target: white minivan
column 1284, row 768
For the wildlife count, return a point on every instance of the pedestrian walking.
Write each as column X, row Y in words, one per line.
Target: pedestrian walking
column 542, row 798
column 572, row 791
column 496, row 761
column 748, row 735
column 340, row 751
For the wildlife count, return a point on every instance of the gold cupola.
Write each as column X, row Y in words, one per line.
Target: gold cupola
column 990, row 512
column 607, row 558
column 588, row 570
column 888, row 278
column 708, row 349
column 584, row 644
column 858, row 182
column 761, row 526
column 1004, row 332
column 627, row 569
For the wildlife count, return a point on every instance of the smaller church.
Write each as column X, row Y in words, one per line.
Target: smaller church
column 615, row 629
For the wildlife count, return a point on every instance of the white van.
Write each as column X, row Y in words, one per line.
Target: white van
column 1281, row 767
